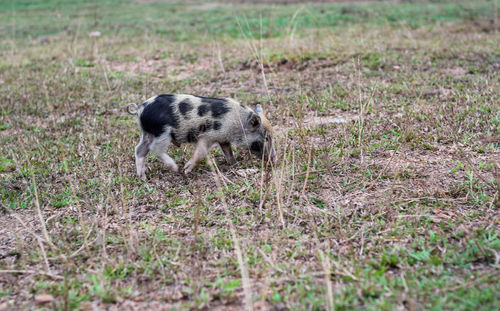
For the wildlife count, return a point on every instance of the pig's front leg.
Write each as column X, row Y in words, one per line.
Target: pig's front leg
column 199, row 153
column 228, row 153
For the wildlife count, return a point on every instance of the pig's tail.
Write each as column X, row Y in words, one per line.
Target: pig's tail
column 132, row 108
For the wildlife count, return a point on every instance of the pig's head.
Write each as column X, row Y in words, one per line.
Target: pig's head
column 258, row 133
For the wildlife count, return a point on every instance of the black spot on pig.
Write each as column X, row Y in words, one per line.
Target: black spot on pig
column 192, row 135
column 202, row 110
column 158, row 114
column 218, row 106
column 209, row 100
column 217, row 125
column 205, row 126
column 185, row 107
column 219, row 109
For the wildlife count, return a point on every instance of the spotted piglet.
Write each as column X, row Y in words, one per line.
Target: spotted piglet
column 179, row 119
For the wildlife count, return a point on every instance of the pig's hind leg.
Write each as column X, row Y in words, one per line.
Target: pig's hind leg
column 159, row 148
column 141, row 151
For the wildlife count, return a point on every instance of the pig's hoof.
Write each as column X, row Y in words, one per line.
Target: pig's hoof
column 174, row 168
column 188, row 168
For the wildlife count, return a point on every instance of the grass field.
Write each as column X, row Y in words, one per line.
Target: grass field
column 385, row 195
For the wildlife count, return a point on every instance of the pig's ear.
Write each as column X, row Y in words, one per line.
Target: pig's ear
column 258, row 109
column 253, row 122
